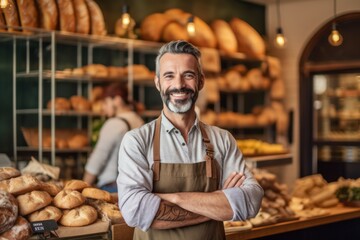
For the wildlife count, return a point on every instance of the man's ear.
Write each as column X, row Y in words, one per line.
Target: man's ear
column 157, row 84
column 201, row 82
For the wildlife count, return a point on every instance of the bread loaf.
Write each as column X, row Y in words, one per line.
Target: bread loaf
column 11, row 16
column 50, row 187
column 82, row 17
column 76, row 184
column 96, row 193
column 20, row 185
column 78, row 141
column 107, row 211
column 28, row 14
column 96, row 18
column 8, row 211
column 277, row 89
column 20, row 231
column 32, row 201
column 8, row 172
column 47, row 213
column 204, row 36
column 80, row 216
column 79, row 103
column 61, row 104
column 152, row 26
column 249, row 40
column 66, row 15
column 174, row 31
column 48, row 13
column 2, row 23
column 225, row 36
column 68, row 199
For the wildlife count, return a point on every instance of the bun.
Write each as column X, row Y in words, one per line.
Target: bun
column 225, row 36
column 96, row 193
column 152, row 26
column 66, row 15
column 28, row 14
column 8, row 172
column 61, row 104
column 8, row 211
column 79, row 103
column 78, row 141
column 78, row 217
column 174, row 31
column 249, row 40
column 20, row 231
column 32, row 201
column 48, row 14
column 76, row 184
column 67, row 199
column 96, row 18
column 11, row 16
column 49, row 212
column 50, row 188
column 82, row 17
column 107, row 211
column 20, row 185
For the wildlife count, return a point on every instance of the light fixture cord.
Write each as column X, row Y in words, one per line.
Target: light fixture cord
column 278, row 12
column 334, row 9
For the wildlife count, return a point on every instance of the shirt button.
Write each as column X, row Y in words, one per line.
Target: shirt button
column 167, row 130
column 176, row 131
column 183, row 144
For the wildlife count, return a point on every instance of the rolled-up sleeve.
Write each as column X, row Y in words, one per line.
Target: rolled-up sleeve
column 137, row 203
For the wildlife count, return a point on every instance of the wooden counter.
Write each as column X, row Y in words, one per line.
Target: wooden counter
column 337, row 214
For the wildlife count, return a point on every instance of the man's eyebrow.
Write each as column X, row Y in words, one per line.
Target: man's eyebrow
column 168, row 72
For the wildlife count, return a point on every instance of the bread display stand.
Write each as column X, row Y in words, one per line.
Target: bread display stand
column 122, row 231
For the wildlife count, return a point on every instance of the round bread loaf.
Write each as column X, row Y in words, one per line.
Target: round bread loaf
column 47, row 213
column 48, row 14
column 77, row 141
column 82, row 17
column 67, row 199
column 79, row 103
column 96, row 193
column 80, row 216
column 225, row 36
column 174, row 31
column 61, row 104
column 20, row 185
column 32, row 201
column 20, row 231
column 28, row 14
column 152, row 26
column 249, row 40
column 76, row 184
column 97, row 22
column 8, row 211
column 107, row 211
column 50, row 188
column 8, row 172
column 11, row 16
column 66, row 15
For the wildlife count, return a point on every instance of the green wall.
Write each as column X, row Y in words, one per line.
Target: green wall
column 208, row 10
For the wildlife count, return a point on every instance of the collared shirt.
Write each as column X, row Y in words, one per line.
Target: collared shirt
column 135, row 181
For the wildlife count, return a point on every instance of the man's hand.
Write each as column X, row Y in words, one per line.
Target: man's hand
column 234, row 180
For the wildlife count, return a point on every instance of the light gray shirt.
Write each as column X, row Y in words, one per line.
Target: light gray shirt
column 104, row 158
column 135, row 181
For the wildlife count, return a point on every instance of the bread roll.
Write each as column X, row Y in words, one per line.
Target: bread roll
column 28, row 14
column 66, row 15
column 274, row 67
column 97, row 21
column 249, row 40
column 107, row 211
column 68, row 199
column 48, row 13
column 82, row 17
column 174, row 31
column 255, row 77
column 152, row 26
column 78, row 141
column 11, row 16
column 277, row 89
column 96, row 70
column 8, row 211
column 96, row 193
column 32, row 201
column 80, row 104
column 80, row 216
column 50, row 187
column 20, row 185
column 76, row 184
column 47, row 213
column 20, row 231
column 225, row 36
column 61, row 104
column 2, row 23
column 8, row 172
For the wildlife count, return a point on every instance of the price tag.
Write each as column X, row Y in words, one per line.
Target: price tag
column 44, row 226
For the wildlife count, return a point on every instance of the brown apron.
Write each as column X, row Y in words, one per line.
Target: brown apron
column 180, row 177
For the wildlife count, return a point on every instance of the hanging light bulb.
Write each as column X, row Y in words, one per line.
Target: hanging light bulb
column 280, row 40
column 190, row 26
column 335, row 38
column 125, row 17
column 3, row 3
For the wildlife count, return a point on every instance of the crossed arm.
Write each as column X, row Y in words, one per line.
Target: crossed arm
column 189, row 208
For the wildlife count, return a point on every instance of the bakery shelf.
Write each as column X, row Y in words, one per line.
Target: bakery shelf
column 270, row 160
column 65, row 150
column 344, row 142
column 47, row 112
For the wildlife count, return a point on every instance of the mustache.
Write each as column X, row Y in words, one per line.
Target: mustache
column 181, row 90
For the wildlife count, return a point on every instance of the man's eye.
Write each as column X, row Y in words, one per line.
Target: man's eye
column 189, row 76
column 169, row 76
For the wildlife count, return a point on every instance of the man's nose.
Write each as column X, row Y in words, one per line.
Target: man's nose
column 179, row 82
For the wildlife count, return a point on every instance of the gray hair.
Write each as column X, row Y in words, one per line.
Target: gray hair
column 179, row 47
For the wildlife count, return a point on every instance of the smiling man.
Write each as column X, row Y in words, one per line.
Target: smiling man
column 178, row 177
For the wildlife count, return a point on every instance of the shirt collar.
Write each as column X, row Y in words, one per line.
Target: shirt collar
column 165, row 122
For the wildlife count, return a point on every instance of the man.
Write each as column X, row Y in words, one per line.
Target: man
column 179, row 178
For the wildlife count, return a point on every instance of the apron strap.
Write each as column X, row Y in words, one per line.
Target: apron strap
column 156, row 150
column 209, row 152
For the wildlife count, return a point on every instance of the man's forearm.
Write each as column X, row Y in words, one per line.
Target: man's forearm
column 213, row 205
column 170, row 216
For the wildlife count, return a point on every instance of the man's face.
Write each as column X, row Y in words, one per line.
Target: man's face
column 179, row 82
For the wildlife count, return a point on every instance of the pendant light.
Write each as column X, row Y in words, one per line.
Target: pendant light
column 280, row 40
column 335, row 38
column 125, row 17
column 4, row 3
column 190, row 26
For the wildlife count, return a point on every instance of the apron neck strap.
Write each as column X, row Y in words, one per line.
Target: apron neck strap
column 156, row 149
column 209, row 152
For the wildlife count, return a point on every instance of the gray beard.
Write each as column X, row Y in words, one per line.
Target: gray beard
column 181, row 107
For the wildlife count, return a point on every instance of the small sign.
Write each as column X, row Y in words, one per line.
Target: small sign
column 44, row 226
